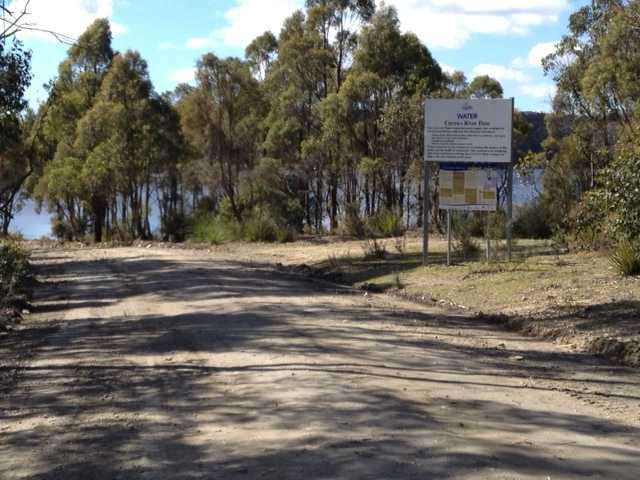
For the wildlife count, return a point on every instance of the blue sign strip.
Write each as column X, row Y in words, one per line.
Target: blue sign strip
column 461, row 166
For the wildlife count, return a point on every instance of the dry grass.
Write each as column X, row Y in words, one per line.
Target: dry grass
column 577, row 295
column 538, row 277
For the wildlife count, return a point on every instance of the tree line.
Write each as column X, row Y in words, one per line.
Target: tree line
column 316, row 129
column 320, row 123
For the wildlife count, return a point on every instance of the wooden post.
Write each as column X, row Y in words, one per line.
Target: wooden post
column 510, row 194
column 448, row 238
column 425, row 215
column 488, row 235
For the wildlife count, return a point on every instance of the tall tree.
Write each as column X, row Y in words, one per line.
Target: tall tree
column 72, row 95
column 223, row 120
column 15, row 161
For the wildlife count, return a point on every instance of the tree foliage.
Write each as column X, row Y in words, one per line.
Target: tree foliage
column 590, row 156
column 315, row 126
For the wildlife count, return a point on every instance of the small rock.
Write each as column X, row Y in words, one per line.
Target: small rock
column 25, row 312
column 516, row 357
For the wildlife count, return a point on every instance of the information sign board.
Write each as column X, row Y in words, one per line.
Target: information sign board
column 468, row 131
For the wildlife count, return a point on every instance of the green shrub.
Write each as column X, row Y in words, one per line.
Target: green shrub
column 175, row 227
column 475, row 223
column 352, row 224
column 466, row 247
column 260, row 229
column 387, row 223
column 14, row 269
column 463, row 227
column 286, row 234
column 625, row 259
column 532, row 221
column 214, row 229
column 263, row 227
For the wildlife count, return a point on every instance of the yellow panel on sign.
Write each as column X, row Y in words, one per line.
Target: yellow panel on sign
column 489, row 195
column 458, row 183
column 471, row 196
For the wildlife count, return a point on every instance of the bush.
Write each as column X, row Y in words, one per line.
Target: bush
column 214, row 229
column 14, row 269
column 352, row 224
column 532, row 221
column 287, row 234
column 625, row 259
column 387, row 223
column 261, row 229
column 175, row 227
column 374, row 249
column 466, row 247
column 462, row 231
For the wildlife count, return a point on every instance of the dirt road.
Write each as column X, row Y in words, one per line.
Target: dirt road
column 153, row 364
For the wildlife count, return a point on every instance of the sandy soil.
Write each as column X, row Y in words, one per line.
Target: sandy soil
column 155, row 363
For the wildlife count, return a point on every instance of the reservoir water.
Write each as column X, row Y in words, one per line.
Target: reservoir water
column 35, row 225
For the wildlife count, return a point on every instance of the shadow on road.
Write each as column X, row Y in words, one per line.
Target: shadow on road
column 287, row 384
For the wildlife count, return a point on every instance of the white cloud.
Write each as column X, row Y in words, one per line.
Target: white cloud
column 199, row 43
column 438, row 23
column 535, row 56
column 539, row 90
column 451, row 23
column 246, row 20
column 502, row 5
column 447, row 68
column 66, row 17
column 539, row 51
column 183, row 75
column 250, row 18
column 500, row 73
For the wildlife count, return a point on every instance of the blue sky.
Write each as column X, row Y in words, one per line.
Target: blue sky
column 503, row 38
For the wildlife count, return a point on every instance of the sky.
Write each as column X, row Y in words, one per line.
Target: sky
column 505, row 39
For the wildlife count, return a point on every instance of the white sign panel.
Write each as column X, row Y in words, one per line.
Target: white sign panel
column 471, row 189
column 468, row 131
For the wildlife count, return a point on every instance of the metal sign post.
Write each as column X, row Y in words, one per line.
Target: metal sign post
column 510, row 196
column 425, row 215
column 448, row 238
column 488, row 235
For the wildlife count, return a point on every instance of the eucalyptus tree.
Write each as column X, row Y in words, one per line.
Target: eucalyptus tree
column 15, row 160
column 295, row 87
column 222, row 118
column 595, row 67
column 484, row 86
column 392, row 71
column 71, row 95
column 336, row 23
column 261, row 53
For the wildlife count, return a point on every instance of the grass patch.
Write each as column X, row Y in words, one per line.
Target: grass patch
column 625, row 259
column 215, row 229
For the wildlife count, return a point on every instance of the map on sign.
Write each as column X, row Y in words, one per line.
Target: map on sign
column 469, row 189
